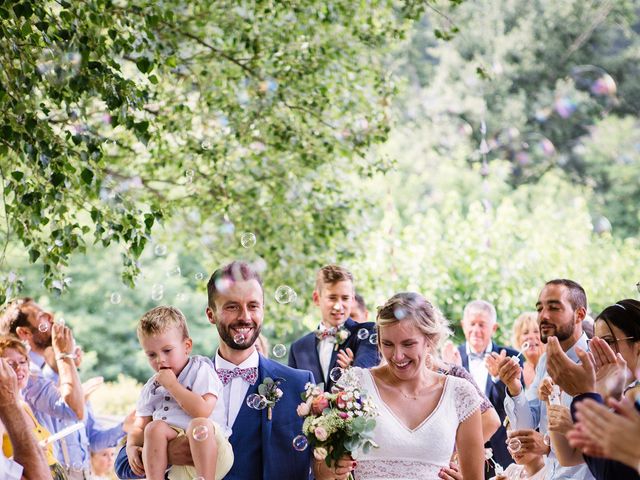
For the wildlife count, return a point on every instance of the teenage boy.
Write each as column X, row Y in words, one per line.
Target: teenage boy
column 338, row 341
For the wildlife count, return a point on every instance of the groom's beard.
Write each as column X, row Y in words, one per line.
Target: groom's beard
column 226, row 334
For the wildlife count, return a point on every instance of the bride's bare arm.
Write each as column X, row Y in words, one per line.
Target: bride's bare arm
column 470, row 447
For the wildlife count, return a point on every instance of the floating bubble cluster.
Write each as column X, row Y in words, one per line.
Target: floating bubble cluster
column 285, row 294
column 257, row 402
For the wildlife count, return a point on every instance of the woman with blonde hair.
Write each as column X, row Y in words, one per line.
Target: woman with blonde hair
column 416, row 405
column 526, row 338
column 15, row 353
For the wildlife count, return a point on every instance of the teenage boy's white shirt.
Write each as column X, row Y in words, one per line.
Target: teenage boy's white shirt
column 236, row 390
column 325, row 351
column 527, row 411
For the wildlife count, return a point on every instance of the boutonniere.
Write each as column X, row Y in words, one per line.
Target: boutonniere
column 270, row 392
column 341, row 336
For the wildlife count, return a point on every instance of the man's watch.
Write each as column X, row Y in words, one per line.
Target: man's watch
column 63, row 356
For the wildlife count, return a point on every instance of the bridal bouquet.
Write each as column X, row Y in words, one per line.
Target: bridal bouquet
column 337, row 423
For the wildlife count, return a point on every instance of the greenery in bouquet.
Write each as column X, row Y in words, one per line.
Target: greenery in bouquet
column 339, row 423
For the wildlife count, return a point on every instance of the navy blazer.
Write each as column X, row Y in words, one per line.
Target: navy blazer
column 495, row 392
column 303, row 353
column 279, row 459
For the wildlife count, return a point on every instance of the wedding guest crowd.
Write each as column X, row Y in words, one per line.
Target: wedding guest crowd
column 555, row 404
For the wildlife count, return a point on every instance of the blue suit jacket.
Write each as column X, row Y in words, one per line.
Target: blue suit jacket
column 495, row 392
column 303, row 353
column 280, row 460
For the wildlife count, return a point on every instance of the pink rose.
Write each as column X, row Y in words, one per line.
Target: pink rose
column 320, row 453
column 303, row 409
column 321, row 434
column 319, row 404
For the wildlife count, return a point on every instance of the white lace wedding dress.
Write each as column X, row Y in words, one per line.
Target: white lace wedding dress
column 417, row 454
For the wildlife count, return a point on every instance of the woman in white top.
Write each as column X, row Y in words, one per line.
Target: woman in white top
column 424, row 415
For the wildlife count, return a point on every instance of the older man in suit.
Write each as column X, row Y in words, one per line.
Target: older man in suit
column 479, row 324
column 261, row 440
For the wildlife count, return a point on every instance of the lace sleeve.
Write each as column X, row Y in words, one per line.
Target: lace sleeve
column 460, row 372
column 466, row 398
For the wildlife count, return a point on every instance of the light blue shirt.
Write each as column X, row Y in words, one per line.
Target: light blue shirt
column 527, row 411
column 75, row 449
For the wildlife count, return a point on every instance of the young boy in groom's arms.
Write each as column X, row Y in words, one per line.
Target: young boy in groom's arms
column 338, row 340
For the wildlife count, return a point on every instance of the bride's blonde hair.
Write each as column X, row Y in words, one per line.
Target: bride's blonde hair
column 413, row 307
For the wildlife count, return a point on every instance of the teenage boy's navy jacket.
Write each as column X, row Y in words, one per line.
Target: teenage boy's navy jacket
column 304, row 351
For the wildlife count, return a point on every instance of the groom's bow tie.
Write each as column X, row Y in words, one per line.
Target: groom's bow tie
column 323, row 332
column 249, row 375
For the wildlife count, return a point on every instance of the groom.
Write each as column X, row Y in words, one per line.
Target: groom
column 261, row 445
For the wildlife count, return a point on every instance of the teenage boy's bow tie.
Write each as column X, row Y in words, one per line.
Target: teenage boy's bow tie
column 324, row 332
column 249, row 375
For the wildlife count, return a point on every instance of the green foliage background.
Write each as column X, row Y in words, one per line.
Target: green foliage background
column 335, row 132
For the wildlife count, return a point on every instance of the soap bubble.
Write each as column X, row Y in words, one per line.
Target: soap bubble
column 300, row 443
column 239, row 338
column 160, row 250
column 335, row 374
column 200, row 433
column 205, row 145
column 199, row 276
column 257, row 402
column 174, row 272
column 514, row 445
column 115, row 298
column 525, row 346
column 247, row 239
column 373, row 339
column 399, row 313
column 363, row 334
column 157, row 292
column 61, row 321
column 279, row 350
column 43, row 326
column 285, row 294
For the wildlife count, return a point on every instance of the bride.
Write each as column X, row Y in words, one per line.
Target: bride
column 424, row 415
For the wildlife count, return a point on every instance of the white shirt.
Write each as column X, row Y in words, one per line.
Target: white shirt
column 9, row 469
column 236, row 390
column 200, row 377
column 325, row 351
column 477, row 367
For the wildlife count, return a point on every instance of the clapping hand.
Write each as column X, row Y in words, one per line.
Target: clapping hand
column 611, row 369
column 8, row 384
column 450, row 353
column 601, row 432
column 91, row 386
column 344, row 358
column 573, row 378
column 62, row 339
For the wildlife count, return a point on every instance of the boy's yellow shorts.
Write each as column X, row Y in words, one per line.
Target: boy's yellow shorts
column 223, row 464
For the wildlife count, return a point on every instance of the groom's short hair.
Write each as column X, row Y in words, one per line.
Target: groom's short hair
column 332, row 274
column 236, row 271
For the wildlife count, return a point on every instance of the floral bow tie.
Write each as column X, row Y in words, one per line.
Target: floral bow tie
column 249, row 375
column 477, row 356
column 323, row 333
